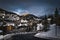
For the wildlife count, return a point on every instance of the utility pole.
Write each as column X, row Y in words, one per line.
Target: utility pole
column 56, row 19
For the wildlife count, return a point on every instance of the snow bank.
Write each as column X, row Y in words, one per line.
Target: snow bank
column 49, row 34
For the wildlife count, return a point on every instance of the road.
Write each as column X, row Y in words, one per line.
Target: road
column 25, row 37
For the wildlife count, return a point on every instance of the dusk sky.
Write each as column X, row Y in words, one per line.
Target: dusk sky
column 36, row 7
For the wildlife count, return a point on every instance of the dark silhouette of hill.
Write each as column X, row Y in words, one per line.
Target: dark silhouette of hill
column 29, row 16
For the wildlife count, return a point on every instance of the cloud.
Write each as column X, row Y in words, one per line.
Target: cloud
column 36, row 7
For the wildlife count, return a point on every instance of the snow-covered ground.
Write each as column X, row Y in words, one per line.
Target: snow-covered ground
column 1, row 37
column 5, row 36
column 50, row 34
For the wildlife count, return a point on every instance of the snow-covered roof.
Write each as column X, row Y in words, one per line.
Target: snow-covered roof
column 24, row 20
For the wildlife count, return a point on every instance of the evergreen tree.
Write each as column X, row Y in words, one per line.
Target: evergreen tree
column 56, row 12
column 45, row 23
column 56, row 16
